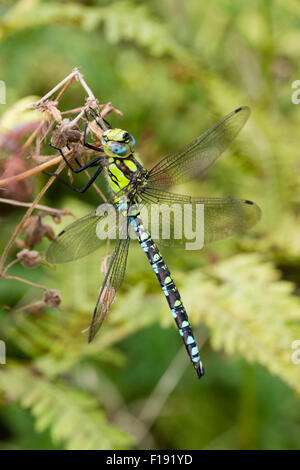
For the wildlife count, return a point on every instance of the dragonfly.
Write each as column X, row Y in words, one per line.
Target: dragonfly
column 129, row 180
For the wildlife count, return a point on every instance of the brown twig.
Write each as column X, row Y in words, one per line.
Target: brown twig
column 51, row 210
column 31, row 172
column 56, row 88
column 33, row 135
column 45, row 104
column 20, row 279
column 80, row 78
column 7, row 267
column 26, row 216
column 62, row 92
column 39, row 304
column 96, row 187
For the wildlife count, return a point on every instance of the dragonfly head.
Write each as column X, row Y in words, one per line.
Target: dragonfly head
column 117, row 143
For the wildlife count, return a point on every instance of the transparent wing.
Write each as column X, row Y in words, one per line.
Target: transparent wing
column 193, row 159
column 222, row 217
column 81, row 237
column 112, row 282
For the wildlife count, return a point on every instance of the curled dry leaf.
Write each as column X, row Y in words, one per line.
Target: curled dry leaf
column 70, row 175
column 108, row 108
column 50, row 107
column 94, row 127
column 29, row 259
column 57, row 218
column 20, row 244
column 73, row 134
column 35, row 230
column 52, row 298
column 55, row 112
column 65, row 133
column 92, row 103
column 79, row 151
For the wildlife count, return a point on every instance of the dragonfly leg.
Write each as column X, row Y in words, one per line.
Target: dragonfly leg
column 97, row 122
column 81, row 190
column 85, row 142
column 91, row 163
column 65, row 159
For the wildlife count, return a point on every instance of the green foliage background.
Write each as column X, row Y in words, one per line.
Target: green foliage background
column 173, row 68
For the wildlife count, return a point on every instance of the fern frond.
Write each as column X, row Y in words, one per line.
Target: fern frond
column 74, row 418
column 249, row 311
column 122, row 21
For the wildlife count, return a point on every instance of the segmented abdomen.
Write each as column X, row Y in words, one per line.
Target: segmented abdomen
column 171, row 292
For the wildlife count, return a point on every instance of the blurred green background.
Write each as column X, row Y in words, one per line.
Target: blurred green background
column 173, row 68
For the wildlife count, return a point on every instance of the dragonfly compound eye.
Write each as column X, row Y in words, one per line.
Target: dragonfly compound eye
column 117, row 148
column 117, row 143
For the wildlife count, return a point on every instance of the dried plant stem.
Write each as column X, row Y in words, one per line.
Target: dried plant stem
column 51, row 210
column 10, row 265
column 62, row 92
column 38, row 303
column 20, row 279
column 78, row 117
column 26, row 216
column 51, row 124
column 31, row 172
column 69, row 77
column 50, row 107
column 79, row 77
column 33, row 136
column 65, row 83
column 96, row 187
column 72, row 111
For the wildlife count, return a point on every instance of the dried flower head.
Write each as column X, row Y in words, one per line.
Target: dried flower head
column 35, row 230
column 52, row 298
column 29, row 259
column 65, row 133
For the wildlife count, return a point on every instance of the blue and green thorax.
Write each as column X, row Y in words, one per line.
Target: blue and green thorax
column 125, row 170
